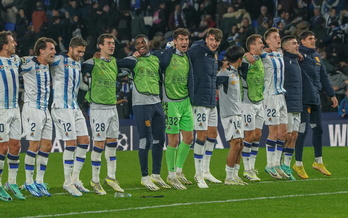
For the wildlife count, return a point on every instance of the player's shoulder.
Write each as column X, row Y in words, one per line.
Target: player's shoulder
column 27, row 60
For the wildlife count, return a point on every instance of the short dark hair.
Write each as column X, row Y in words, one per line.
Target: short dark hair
column 41, row 44
column 141, row 36
column 269, row 31
column 287, row 38
column 181, row 31
column 100, row 40
column 77, row 41
column 217, row 33
column 305, row 34
column 252, row 39
column 3, row 38
column 233, row 53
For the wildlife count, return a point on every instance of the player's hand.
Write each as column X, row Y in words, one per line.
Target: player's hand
column 334, row 102
column 136, row 54
column 300, row 56
column 249, row 57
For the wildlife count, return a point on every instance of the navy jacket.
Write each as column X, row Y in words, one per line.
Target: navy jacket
column 292, row 82
column 205, row 67
column 314, row 77
column 165, row 56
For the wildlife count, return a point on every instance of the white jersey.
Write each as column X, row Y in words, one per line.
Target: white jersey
column 274, row 73
column 66, row 79
column 229, row 92
column 36, row 78
column 9, row 82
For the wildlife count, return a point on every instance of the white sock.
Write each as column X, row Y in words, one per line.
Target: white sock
column 2, row 163
column 288, row 152
column 29, row 167
column 319, row 160
column 270, row 150
column 246, row 155
column 236, row 170
column 80, row 157
column 96, row 163
column 299, row 163
column 110, row 156
column 208, row 148
column 13, row 163
column 253, row 154
column 171, row 174
column 278, row 152
column 198, row 156
column 178, row 170
column 229, row 172
column 41, row 164
column 68, row 163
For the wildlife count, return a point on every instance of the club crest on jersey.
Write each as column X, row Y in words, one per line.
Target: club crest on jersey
column 200, row 124
column 98, row 134
column 147, row 123
column 237, row 131
column 317, row 59
column 246, row 124
column 66, row 134
column 270, row 119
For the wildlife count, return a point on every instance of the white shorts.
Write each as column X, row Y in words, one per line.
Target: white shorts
column 294, row 120
column 204, row 117
column 275, row 110
column 104, row 123
column 10, row 124
column 37, row 124
column 253, row 116
column 69, row 123
column 232, row 127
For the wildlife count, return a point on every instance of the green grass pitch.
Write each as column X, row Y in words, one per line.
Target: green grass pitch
column 319, row 196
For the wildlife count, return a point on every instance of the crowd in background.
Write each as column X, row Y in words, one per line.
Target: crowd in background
column 64, row 19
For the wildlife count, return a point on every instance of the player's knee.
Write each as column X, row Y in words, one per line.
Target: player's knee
column 258, row 135
column 83, row 140
column 188, row 139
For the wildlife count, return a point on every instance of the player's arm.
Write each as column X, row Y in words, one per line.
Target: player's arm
column 83, row 86
column 222, row 79
column 86, row 69
column 127, row 62
column 327, row 88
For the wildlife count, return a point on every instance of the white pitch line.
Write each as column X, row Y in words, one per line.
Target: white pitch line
column 185, row 204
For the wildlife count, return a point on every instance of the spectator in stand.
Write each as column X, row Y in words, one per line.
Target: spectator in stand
column 176, row 18
column 21, row 24
column 331, row 17
column 138, row 24
column 160, row 19
column 343, row 108
column 264, row 16
column 38, row 17
column 287, row 5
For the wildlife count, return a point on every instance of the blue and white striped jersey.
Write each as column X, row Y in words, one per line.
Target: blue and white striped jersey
column 9, row 82
column 66, row 79
column 274, row 73
column 36, row 79
column 229, row 86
